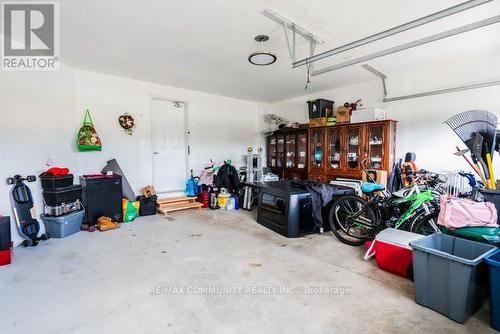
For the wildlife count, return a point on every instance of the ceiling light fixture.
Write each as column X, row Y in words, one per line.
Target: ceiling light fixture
column 261, row 38
column 262, row 58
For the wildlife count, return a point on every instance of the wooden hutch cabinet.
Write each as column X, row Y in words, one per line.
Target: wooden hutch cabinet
column 287, row 153
column 337, row 151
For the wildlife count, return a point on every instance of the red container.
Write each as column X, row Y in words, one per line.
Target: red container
column 6, row 256
column 393, row 252
column 203, row 197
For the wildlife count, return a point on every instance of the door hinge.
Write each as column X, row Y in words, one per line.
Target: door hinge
column 189, row 150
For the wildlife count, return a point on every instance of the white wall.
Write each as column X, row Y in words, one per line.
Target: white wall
column 220, row 127
column 42, row 112
column 420, row 128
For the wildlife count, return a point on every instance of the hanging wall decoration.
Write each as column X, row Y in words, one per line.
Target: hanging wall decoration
column 127, row 122
column 87, row 139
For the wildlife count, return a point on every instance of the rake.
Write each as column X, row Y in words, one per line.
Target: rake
column 470, row 122
column 468, row 125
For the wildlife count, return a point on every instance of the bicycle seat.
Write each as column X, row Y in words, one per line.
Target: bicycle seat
column 368, row 187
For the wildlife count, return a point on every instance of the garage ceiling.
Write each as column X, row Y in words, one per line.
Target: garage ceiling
column 204, row 45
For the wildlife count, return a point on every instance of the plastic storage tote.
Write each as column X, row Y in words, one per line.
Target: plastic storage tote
column 50, row 182
column 493, row 261
column 318, row 108
column 393, row 252
column 63, row 226
column 450, row 275
column 59, row 196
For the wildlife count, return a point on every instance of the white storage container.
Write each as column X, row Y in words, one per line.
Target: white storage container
column 367, row 115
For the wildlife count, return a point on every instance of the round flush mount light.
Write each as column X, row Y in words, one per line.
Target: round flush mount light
column 261, row 38
column 262, row 58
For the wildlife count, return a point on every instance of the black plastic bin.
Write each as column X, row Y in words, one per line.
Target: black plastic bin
column 5, row 238
column 493, row 196
column 318, row 107
column 59, row 196
column 148, row 205
column 50, row 182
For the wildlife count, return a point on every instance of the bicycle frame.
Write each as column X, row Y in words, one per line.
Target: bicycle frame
column 418, row 200
column 415, row 196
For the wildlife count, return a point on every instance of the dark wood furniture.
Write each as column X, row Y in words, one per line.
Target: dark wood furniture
column 287, row 153
column 337, row 151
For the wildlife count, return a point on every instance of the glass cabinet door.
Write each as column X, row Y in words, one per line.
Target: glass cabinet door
column 272, row 151
column 318, row 149
column 301, row 150
column 291, row 149
column 353, row 147
column 375, row 146
column 334, row 143
column 280, row 151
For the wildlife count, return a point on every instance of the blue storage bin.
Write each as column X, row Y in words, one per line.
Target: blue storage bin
column 63, row 226
column 494, row 263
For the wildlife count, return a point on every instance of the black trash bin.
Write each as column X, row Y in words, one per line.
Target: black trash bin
column 492, row 196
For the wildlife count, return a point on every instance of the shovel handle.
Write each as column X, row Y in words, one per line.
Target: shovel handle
column 474, row 168
column 489, row 162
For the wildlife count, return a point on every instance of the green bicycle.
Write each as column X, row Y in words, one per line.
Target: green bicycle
column 355, row 220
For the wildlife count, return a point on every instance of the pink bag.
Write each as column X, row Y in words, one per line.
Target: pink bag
column 462, row 212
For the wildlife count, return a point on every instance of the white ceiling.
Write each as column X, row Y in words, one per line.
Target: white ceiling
column 204, row 44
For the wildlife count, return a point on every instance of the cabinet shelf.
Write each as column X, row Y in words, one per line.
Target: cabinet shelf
column 291, row 160
column 375, row 139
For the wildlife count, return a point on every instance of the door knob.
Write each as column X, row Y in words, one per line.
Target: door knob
column 156, row 152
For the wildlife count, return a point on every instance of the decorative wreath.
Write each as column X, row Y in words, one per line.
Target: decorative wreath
column 127, row 122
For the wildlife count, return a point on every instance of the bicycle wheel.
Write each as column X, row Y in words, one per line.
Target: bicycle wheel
column 425, row 224
column 352, row 220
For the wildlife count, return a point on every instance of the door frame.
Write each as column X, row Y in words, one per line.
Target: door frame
column 187, row 132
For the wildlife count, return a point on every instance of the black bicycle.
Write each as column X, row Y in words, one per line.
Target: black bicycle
column 355, row 220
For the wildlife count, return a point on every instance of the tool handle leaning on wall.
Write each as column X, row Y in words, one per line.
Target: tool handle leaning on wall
column 489, row 162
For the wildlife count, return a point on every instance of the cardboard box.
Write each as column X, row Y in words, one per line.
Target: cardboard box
column 317, row 122
column 380, row 176
column 343, row 115
column 368, row 115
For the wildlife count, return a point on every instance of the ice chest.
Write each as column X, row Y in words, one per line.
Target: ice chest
column 63, row 226
column 450, row 275
column 392, row 251
column 493, row 260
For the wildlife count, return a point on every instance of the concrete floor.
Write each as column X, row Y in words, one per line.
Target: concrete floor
column 117, row 282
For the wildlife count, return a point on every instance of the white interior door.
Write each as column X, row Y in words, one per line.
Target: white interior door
column 169, row 145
